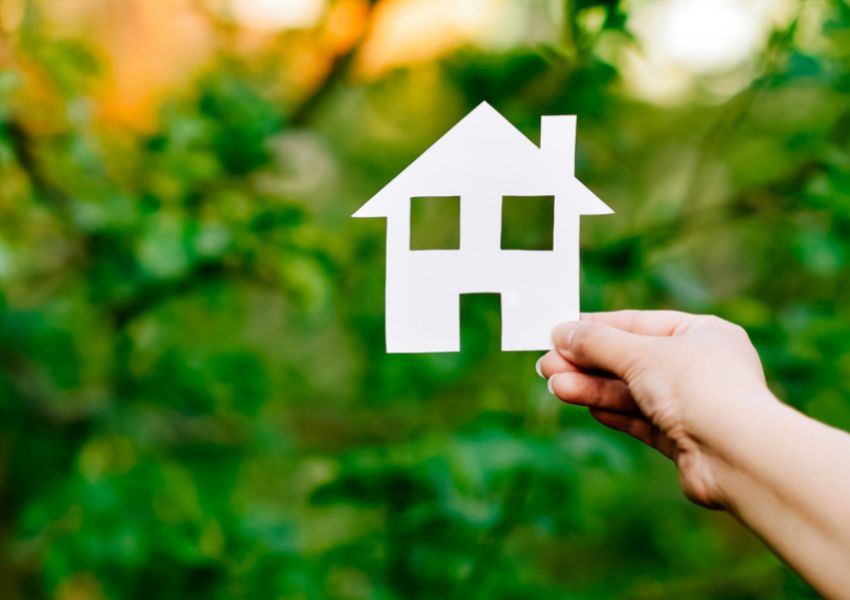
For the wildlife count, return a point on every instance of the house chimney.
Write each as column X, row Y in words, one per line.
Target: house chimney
column 558, row 141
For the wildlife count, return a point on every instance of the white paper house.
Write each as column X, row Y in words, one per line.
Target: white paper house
column 482, row 159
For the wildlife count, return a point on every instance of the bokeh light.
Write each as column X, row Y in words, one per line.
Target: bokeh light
column 271, row 15
column 681, row 40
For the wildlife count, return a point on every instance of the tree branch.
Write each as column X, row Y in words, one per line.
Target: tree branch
column 23, row 148
column 339, row 70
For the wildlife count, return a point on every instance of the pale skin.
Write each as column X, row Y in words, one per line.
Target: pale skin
column 693, row 388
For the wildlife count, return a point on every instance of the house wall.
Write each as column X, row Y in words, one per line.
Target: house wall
column 539, row 288
column 480, row 224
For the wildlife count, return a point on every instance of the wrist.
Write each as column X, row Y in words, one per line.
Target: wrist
column 728, row 433
column 721, row 423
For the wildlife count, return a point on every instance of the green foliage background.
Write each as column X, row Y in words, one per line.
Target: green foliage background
column 195, row 395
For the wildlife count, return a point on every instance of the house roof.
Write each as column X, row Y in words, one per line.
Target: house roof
column 485, row 153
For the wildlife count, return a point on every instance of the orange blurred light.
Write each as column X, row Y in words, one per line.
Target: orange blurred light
column 410, row 31
column 306, row 64
column 11, row 14
column 149, row 46
column 345, row 24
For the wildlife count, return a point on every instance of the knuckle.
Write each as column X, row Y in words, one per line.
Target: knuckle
column 739, row 332
column 728, row 327
column 713, row 321
column 569, row 386
column 669, row 352
column 548, row 365
column 606, row 393
column 634, row 369
column 581, row 338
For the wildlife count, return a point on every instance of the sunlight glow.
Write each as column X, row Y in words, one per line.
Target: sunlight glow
column 407, row 31
column 709, row 35
column 680, row 40
column 411, row 31
column 272, row 15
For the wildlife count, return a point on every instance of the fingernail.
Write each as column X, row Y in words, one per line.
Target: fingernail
column 562, row 336
column 550, row 384
column 539, row 368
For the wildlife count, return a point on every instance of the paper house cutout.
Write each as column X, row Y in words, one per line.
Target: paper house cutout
column 482, row 159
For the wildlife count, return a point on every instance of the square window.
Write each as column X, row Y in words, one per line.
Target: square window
column 528, row 222
column 435, row 223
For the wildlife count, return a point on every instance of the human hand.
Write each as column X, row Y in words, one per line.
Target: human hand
column 676, row 381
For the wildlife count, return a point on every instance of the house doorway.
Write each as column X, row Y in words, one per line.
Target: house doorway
column 480, row 324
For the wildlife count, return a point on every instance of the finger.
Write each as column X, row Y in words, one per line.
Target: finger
column 596, row 346
column 642, row 322
column 594, row 391
column 552, row 363
column 637, row 427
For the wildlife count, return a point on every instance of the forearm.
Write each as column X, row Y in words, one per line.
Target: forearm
column 693, row 387
column 787, row 477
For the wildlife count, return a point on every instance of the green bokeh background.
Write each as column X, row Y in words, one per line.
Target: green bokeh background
column 195, row 396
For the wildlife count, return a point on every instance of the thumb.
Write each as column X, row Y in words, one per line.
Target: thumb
column 597, row 346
